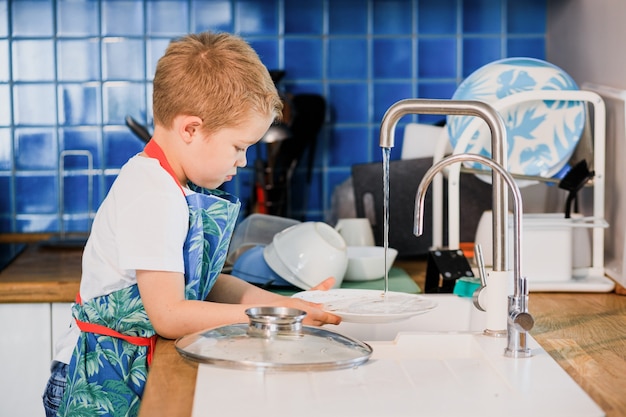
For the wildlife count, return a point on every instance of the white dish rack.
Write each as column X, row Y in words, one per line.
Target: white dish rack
column 591, row 280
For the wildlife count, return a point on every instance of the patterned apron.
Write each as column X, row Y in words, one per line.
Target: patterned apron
column 109, row 366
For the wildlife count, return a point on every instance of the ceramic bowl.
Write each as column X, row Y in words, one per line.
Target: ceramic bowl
column 252, row 267
column 541, row 134
column 307, row 253
column 366, row 263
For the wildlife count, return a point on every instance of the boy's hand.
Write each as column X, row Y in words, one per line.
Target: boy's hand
column 327, row 284
column 315, row 315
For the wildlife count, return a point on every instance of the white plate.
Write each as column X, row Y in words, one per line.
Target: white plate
column 541, row 134
column 369, row 306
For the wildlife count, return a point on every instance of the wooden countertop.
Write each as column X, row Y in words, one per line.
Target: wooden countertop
column 584, row 333
column 41, row 273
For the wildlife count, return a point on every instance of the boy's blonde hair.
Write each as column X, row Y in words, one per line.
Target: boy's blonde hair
column 217, row 77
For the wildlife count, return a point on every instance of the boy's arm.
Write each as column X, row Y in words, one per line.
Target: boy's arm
column 163, row 296
column 230, row 289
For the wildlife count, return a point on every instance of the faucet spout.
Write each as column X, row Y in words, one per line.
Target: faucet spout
column 519, row 320
column 500, row 249
column 498, row 150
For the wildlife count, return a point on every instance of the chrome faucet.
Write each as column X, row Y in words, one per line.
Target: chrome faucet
column 500, row 274
column 498, row 152
column 519, row 320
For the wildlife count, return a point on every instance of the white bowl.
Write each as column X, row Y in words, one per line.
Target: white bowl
column 366, row 263
column 308, row 253
column 277, row 265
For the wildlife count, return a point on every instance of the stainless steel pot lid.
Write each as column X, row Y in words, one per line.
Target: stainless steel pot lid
column 275, row 339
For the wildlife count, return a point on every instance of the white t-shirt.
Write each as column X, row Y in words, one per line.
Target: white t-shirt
column 141, row 224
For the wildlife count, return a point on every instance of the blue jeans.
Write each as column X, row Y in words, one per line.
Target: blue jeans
column 53, row 394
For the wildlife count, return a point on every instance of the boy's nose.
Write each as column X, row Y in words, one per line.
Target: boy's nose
column 242, row 161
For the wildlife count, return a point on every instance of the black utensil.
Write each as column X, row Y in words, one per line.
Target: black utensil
column 574, row 181
column 308, row 119
column 138, row 129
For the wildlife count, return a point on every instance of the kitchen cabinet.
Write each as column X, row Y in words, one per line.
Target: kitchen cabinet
column 26, row 347
column 61, row 317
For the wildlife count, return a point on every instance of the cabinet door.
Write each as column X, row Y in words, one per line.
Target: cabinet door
column 61, row 318
column 25, row 354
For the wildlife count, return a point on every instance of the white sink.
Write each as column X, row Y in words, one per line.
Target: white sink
column 436, row 364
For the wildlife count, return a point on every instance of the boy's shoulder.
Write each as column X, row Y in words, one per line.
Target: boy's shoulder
column 141, row 171
column 140, row 162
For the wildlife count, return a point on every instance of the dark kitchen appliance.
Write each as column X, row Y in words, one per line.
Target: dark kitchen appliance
column 404, row 177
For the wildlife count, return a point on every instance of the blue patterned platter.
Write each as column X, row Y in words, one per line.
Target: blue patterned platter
column 542, row 134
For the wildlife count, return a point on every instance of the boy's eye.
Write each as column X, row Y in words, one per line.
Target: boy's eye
column 240, row 149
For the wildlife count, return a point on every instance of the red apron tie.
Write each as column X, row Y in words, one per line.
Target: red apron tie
column 153, row 150
column 105, row 331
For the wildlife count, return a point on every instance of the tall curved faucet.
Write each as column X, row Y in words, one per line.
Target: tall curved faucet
column 418, row 227
column 519, row 320
column 498, row 153
column 495, row 321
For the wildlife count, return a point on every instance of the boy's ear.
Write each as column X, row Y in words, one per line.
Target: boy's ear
column 189, row 127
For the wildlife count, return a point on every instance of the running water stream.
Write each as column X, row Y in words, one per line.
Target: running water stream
column 387, row 303
column 386, row 158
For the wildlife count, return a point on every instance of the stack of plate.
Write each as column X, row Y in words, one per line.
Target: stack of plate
column 542, row 134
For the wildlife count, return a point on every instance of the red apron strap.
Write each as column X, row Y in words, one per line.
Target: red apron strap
column 105, row 331
column 153, row 150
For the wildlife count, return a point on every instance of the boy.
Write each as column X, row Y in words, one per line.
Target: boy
column 159, row 240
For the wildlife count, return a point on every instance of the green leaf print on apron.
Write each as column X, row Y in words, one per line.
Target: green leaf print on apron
column 107, row 374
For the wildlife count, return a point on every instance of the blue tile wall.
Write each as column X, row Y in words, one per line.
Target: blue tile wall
column 71, row 70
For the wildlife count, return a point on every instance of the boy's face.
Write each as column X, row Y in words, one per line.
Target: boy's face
column 213, row 159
